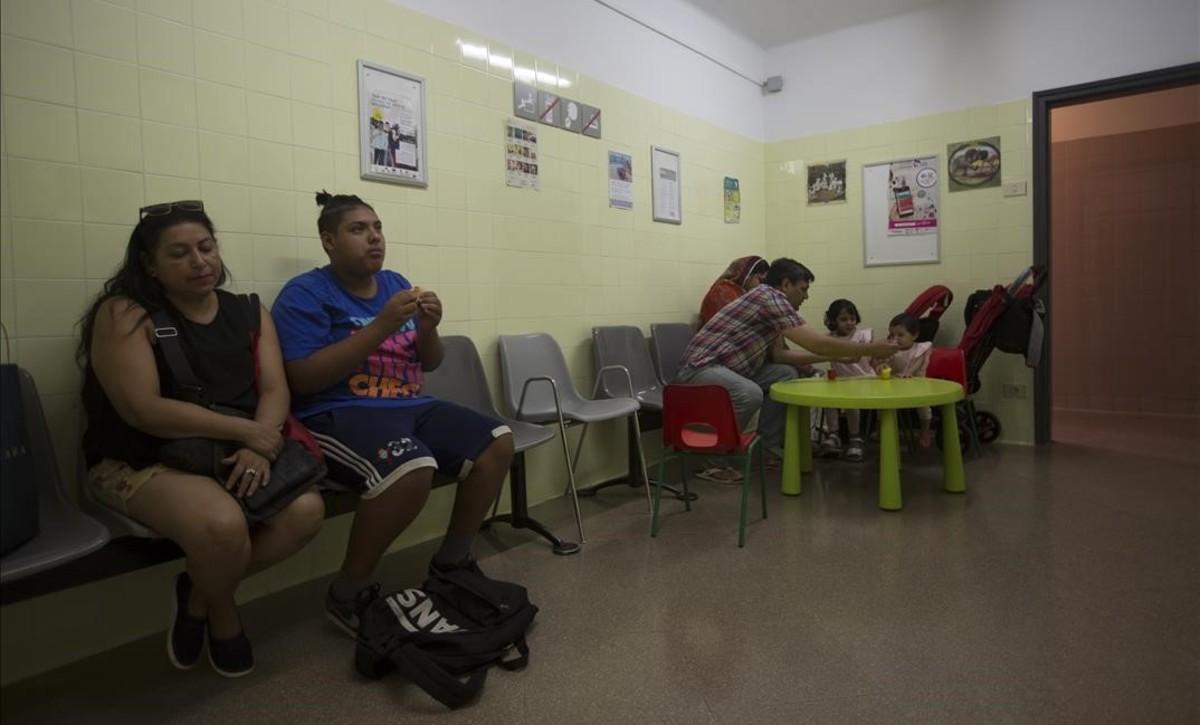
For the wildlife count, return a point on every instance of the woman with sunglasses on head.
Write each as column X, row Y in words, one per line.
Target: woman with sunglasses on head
column 173, row 264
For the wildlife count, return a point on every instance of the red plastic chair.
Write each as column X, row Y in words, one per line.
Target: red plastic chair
column 700, row 420
column 949, row 363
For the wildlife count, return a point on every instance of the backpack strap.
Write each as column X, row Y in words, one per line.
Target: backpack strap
column 422, row 669
column 166, row 333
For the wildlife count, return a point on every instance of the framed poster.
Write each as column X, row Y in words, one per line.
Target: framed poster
column 973, row 164
column 391, row 125
column 572, row 118
column 550, row 108
column 900, row 212
column 591, row 120
column 827, row 183
column 665, row 188
column 525, row 99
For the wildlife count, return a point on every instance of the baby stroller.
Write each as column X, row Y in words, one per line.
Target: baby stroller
column 1010, row 319
column 928, row 308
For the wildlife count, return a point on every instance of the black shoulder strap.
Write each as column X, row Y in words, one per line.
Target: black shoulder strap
column 167, row 335
column 447, row 689
column 253, row 308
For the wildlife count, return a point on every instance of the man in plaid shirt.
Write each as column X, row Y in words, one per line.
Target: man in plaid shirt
column 742, row 350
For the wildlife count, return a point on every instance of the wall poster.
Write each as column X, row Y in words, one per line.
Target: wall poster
column 520, row 155
column 827, row 183
column 733, row 200
column 912, row 196
column 973, row 164
column 391, row 125
column 665, row 189
column 620, row 180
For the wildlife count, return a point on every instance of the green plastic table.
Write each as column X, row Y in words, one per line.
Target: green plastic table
column 886, row 396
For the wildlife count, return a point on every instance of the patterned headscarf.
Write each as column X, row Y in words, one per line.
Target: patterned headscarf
column 740, row 269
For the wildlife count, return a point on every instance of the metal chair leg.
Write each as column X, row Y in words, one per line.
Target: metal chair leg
column 637, row 430
column 562, row 433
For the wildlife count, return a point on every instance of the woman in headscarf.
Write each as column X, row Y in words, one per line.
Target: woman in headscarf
column 741, row 276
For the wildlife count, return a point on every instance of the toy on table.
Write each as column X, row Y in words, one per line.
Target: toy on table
column 885, row 373
column 831, row 375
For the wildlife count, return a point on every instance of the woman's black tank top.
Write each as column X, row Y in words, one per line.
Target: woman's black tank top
column 222, row 359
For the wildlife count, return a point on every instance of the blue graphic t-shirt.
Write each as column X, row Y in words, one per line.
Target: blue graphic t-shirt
column 312, row 312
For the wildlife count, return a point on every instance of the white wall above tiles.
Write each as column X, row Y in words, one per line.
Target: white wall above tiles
column 592, row 39
column 970, row 53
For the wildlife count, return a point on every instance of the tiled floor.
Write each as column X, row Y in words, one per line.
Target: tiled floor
column 1169, row 437
column 1063, row 587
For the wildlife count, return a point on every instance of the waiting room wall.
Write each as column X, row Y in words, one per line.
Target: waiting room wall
column 250, row 106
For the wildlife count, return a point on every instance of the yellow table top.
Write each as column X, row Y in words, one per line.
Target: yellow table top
column 867, row 393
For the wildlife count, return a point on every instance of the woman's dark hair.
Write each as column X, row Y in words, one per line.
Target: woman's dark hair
column 131, row 280
column 835, row 311
column 907, row 321
column 332, row 208
column 789, row 269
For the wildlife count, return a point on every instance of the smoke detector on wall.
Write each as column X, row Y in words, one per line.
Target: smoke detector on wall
column 774, row 84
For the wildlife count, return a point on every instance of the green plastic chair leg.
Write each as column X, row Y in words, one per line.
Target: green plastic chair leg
column 683, row 481
column 662, row 469
column 762, row 476
column 889, row 462
column 745, row 499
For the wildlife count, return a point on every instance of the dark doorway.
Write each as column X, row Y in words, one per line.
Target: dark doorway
column 1117, row 224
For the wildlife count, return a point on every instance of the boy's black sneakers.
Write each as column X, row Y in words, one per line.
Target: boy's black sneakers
column 345, row 613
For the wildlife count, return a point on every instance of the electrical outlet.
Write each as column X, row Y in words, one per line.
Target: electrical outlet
column 1015, row 390
column 1015, row 188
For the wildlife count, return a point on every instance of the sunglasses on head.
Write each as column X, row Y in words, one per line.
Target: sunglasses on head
column 170, row 206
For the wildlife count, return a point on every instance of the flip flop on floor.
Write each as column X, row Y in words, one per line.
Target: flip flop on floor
column 721, row 474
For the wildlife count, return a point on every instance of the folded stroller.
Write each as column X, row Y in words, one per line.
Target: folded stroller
column 1010, row 319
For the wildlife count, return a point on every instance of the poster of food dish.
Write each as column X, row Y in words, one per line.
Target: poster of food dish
column 973, row 164
column 912, row 199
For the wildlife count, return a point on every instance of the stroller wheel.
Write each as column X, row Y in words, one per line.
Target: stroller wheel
column 988, row 426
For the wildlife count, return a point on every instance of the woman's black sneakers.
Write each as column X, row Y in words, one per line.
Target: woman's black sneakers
column 185, row 636
column 231, row 657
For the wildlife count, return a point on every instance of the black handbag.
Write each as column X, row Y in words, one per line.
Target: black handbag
column 293, row 472
column 18, row 485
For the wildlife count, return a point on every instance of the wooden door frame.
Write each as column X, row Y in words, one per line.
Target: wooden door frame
column 1043, row 103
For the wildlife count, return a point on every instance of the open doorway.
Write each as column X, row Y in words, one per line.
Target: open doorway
column 1117, row 223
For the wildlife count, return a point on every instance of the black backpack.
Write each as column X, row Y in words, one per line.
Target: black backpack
column 458, row 624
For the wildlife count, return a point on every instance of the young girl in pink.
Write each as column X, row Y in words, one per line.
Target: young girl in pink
column 842, row 319
column 910, row 362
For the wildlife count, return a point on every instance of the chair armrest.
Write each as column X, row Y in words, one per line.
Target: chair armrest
column 608, row 368
column 525, row 389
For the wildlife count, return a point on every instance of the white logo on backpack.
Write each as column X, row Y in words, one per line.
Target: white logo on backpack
column 414, row 609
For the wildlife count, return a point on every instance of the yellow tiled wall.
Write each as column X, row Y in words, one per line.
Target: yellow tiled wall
column 250, row 105
column 986, row 239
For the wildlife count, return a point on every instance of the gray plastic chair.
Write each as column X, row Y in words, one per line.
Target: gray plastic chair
column 460, row 379
column 538, row 389
column 669, row 340
column 64, row 533
column 621, row 352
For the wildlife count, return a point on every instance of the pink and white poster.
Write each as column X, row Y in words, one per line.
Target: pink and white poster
column 912, row 191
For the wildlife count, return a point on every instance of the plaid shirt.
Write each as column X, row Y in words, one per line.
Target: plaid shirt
column 739, row 336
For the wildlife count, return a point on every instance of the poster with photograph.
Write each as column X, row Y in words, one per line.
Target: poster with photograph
column 973, row 164
column 733, row 200
column 827, row 183
column 520, row 156
column 666, row 192
column 392, row 140
column 912, row 196
column 620, row 180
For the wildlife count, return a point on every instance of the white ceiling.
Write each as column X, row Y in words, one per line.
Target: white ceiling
column 777, row 22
